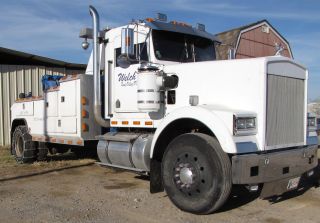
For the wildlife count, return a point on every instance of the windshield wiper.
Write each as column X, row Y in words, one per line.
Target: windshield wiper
column 184, row 54
column 186, row 49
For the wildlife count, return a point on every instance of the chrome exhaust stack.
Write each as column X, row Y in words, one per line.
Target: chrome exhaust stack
column 96, row 69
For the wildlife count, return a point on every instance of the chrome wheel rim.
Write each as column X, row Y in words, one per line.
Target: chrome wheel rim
column 190, row 175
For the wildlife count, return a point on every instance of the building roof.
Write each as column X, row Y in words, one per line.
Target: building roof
column 230, row 37
column 9, row 56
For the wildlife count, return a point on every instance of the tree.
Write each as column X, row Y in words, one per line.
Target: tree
column 314, row 108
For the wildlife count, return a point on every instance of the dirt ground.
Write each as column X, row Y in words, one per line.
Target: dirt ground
column 67, row 189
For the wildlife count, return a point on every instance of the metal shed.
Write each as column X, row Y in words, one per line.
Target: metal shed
column 258, row 39
column 22, row 72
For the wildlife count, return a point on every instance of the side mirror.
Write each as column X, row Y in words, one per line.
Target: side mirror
column 127, row 48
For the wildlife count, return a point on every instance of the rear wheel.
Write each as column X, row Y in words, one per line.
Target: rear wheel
column 196, row 173
column 42, row 151
column 23, row 147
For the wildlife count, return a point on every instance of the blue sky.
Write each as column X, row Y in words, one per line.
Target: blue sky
column 51, row 27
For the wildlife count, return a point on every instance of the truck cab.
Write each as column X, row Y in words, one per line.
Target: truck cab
column 163, row 44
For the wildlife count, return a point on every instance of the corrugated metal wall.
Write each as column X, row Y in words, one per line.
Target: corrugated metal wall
column 15, row 79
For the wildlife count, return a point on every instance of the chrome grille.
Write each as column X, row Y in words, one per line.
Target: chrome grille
column 285, row 112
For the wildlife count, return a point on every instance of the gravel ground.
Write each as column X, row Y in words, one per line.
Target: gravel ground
column 85, row 192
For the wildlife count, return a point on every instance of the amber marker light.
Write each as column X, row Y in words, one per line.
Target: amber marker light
column 149, row 19
column 148, row 123
column 83, row 100
column 84, row 127
column 84, row 114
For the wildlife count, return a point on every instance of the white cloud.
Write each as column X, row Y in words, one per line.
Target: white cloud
column 43, row 27
column 51, row 28
column 306, row 50
column 236, row 9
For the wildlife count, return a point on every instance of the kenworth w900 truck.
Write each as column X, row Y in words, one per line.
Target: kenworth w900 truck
column 154, row 100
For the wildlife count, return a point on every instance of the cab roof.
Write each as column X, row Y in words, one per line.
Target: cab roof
column 180, row 28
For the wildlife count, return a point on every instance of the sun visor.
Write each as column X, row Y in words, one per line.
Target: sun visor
column 171, row 27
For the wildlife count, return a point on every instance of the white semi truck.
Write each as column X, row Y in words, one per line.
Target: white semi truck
column 154, row 100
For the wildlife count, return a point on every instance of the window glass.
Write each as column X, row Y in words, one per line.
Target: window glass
column 141, row 47
column 181, row 47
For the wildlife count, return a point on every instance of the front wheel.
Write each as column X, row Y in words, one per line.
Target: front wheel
column 196, row 173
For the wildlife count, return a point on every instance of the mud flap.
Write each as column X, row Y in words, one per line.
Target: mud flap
column 155, row 177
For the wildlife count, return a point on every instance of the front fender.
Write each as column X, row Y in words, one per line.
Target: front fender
column 204, row 115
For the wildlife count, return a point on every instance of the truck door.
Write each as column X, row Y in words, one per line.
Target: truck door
column 125, row 82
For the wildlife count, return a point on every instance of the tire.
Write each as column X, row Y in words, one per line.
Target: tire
column 196, row 173
column 42, row 151
column 23, row 147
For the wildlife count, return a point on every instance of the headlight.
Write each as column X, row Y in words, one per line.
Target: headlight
column 245, row 125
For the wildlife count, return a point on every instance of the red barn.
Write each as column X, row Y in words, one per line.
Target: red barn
column 258, row 39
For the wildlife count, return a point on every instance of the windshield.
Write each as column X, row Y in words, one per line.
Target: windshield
column 181, row 47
